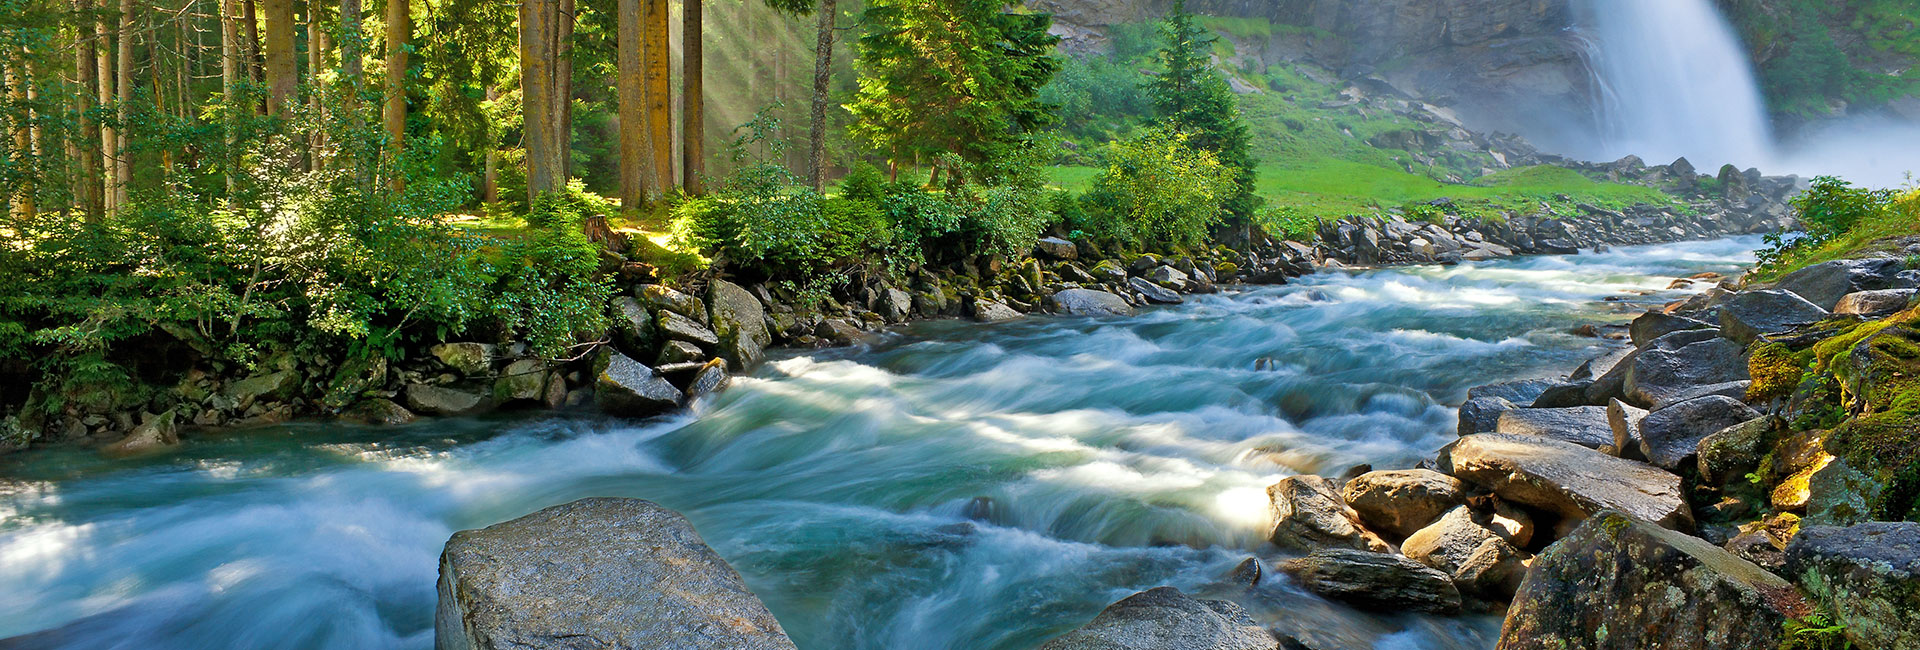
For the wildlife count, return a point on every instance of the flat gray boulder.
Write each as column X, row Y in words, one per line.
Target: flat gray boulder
column 1670, row 437
column 1581, row 425
column 1154, row 293
column 1826, row 283
column 1621, row 583
column 628, row 388
column 596, row 573
column 1661, row 375
column 1089, row 302
column 1566, row 478
column 1482, row 414
column 1164, row 618
column 1749, row 315
column 1868, row 575
column 1381, row 582
column 1524, row 391
column 1655, row 324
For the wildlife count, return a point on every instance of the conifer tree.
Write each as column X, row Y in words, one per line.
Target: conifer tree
column 1192, row 97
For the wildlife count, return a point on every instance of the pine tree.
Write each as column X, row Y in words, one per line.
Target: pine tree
column 1192, row 97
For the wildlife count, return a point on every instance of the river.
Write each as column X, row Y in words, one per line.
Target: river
column 1116, row 455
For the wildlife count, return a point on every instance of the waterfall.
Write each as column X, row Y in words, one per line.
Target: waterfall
column 1673, row 80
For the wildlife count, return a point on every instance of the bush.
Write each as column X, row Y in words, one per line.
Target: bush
column 764, row 220
column 1159, row 192
column 1828, row 210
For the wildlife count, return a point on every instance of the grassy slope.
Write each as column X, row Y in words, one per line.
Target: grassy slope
column 1877, row 234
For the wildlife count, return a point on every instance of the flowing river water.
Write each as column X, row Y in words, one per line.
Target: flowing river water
column 1115, row 455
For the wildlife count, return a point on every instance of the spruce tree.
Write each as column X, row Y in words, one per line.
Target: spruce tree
column 1192, row 97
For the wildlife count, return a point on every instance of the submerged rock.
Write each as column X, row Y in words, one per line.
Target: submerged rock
column 1567, row 479
column 599, row 573
column 1383, row 582
column 1868, row 575
column 1164, row 618
column 1619, row 582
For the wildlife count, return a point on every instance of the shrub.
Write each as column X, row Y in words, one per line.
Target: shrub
column 1827, row 211
column 1161, row 192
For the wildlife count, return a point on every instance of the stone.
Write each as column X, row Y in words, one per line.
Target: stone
column 740, row 322
column 1826, row 283
column 1446, row 543
column 355, row 378
column 1169, row 277
column 1670, row 437
column 1399, row 502
column 376, row 411
column 596, row 573
column 1164, row 618
column 1599, row 366
column 1566, row 478
column 988, row 311
column 521, row 381
column 1878, row 302
column 1482, row 414
column 711, row 379
column 1154, row 293
column 158, row 432
column 1089, row 302
column 838, row 331
column 1308, row 513
column 1619, row 582
column 1565, row 394
column 441, row 400
column 1581, row 425
column 465, row 358
column 1510, row 522
column 680, row 328
column 1867, row 575
column 273, row 386
column 895, row 305
column 1655, row 324
column 1839, row 495
column 1493, row 570
column 628, row 388
column 660, row 296
column 1055, row 248
column 1733, row 452
column 1524, row 391
column 1748, row 315
column 678, row 352
column 1624, row 419
column 1381, row 582
column 1659, row 376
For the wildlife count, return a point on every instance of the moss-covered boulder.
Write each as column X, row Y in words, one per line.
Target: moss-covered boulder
column 740, row 322
column 1619, row 582
column 1867, row 575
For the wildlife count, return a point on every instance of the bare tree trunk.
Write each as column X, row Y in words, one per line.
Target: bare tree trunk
column 659, row 80
column 281, row 70
column 693, row 152
column 822, row 77
column 17, row 81
column 635, row 162
column 490, row 178
column 250, row 48
column 394, row 114
column 109, row 138
column 230, row 81
column 85, row 149
column 536, row 84
column 562, row 94
column 317, row 46
column 123, row 88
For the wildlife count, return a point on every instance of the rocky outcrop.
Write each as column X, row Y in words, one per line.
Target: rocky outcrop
column 613, row 573
column 1824, row 284
column 740, row 323
column 1382, row 582
column 1478, row 559
column 1164, row 618
column 1867, row 575
column 1618, row 582
column 1567, row 479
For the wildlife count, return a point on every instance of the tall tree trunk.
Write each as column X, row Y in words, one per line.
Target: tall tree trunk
column 123, row 88
column 17, row 81
column 109, row 138
column 86, row 148
column 250, row 47
column 230, row 69
column 822, row 76
column 562, row 94
column 394, row 113
column 636, row 163
column 490, row 177
column 282, row 79
column 157, row 79
column 659, row 80
column 317, row 46
column 538, row 27
column 693, row 123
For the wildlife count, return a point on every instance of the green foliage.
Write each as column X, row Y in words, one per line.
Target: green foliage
column 1831, row 212
column 1816, row 631
column 1161, row 192
column 1191, row 97
column 767, row 220
column 1101, row 97
column 1289, row 223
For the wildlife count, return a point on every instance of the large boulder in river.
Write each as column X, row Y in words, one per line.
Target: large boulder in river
column 1660, row 374
column 1868, row 575
column 1482, row 415
column 1088, row 302
column 1618, row 582
column 740, row 323
column 1401, row 501
column 1581, row 425
column 1752, row 314
column 596, row 573
column 1566, row 478
column 1309, row 513
column 1523, row 391
column 1154, row 293
column 1670, row 437
column 1163, row 618
column 628, row 388
column 1382, row 582
column 1825, row 283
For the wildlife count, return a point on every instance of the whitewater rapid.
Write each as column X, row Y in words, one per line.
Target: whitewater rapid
column 1114, row 455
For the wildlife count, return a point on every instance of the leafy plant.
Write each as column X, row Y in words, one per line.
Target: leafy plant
column 1816, row 631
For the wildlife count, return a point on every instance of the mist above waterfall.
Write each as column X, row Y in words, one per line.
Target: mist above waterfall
column 1672, row 79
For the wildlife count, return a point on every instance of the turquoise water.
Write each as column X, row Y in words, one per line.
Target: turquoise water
column 1117, row 455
